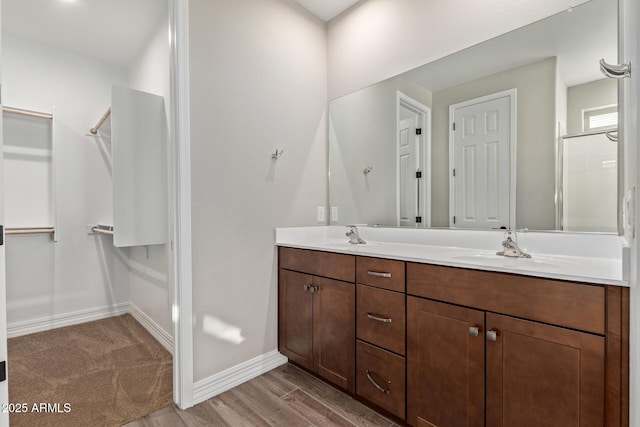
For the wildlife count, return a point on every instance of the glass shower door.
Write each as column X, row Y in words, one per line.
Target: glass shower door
column 589, row 183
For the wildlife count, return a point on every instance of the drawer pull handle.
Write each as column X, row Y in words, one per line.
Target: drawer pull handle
column 474, row 331
column 492, row 335
column 378, row 274
column 379, row 318
column 375, row 384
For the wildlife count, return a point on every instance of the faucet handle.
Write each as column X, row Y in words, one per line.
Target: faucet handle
column 514, row 232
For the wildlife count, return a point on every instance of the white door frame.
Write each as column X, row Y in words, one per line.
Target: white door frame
column 512, row 95
column 181, row 308
column 4, row 386
column 403, row 100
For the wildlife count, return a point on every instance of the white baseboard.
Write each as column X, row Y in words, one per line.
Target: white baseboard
column 26, row 327
column 164, row 338
column 17, row 329
column 236, row 375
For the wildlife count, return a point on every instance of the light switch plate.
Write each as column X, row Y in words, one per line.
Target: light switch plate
column 320, row 214
column 334, row 214
column 628, row 212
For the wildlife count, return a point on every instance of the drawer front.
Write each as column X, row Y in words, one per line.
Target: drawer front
column 382, row 273
column 380, row 318
column 380, row 378
column 569, row 304
column 318, row 263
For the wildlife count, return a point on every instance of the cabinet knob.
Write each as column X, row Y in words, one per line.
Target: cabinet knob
column 492, row 335
column 313, row 289
column 474, row 331
column 306, row 287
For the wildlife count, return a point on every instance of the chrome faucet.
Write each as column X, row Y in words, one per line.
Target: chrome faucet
column 354, row 237
column 510, row 246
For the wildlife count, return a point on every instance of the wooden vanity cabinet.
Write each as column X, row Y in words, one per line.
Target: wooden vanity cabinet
column 442, row 346
column 536, row 374
column 316, row 322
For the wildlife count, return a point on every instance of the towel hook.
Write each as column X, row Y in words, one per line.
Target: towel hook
column 618, row 71
column 276, row 155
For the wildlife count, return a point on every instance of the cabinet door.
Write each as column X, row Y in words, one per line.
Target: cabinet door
column 295, row 320
column 334, row 331
column 445, row 357
column 540, row 375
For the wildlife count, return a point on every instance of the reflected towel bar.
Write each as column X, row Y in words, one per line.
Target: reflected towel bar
column 105, row 116
column 27, row 113
column 40, row 230
column 606, row 132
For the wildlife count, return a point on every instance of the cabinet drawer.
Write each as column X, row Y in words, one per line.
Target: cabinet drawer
column 382, row 273
column 380, row 317
column 569, row 304
column 318, row 263
column 387, row 371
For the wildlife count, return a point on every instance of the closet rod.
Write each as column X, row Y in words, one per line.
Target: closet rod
column 27, row 113
column 105, row 116
column 44, row 230
column 102, row 229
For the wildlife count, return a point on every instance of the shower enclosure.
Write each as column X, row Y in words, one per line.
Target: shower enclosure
column 587, row 182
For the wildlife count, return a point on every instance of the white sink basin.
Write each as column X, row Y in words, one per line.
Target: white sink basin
column 346, row 244
column 490, row 258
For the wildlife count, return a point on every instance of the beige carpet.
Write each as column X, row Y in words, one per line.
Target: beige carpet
column 102, row 373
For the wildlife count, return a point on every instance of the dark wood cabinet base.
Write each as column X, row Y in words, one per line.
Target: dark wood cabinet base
column 435, row 346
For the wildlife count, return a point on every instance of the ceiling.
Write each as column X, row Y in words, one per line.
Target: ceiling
column 114, row 31
column 578, row 38
column 327, row 9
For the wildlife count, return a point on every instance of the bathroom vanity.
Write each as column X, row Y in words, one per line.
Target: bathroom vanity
column 436, row 341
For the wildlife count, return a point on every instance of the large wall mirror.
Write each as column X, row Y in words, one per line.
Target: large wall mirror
column 516, row 132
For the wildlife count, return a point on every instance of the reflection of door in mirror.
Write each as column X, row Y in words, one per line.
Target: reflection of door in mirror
column 408, row 168
column 413, row 148
column 481, row 139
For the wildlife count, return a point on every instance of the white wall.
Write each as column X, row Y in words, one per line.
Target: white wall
column 258, row 82
column 80, row 271
column 378, row 39
column 150, row 268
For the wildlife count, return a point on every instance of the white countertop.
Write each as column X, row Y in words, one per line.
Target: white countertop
column 582, row 257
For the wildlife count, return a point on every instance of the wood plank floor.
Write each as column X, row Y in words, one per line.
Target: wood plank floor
column 285, row 396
